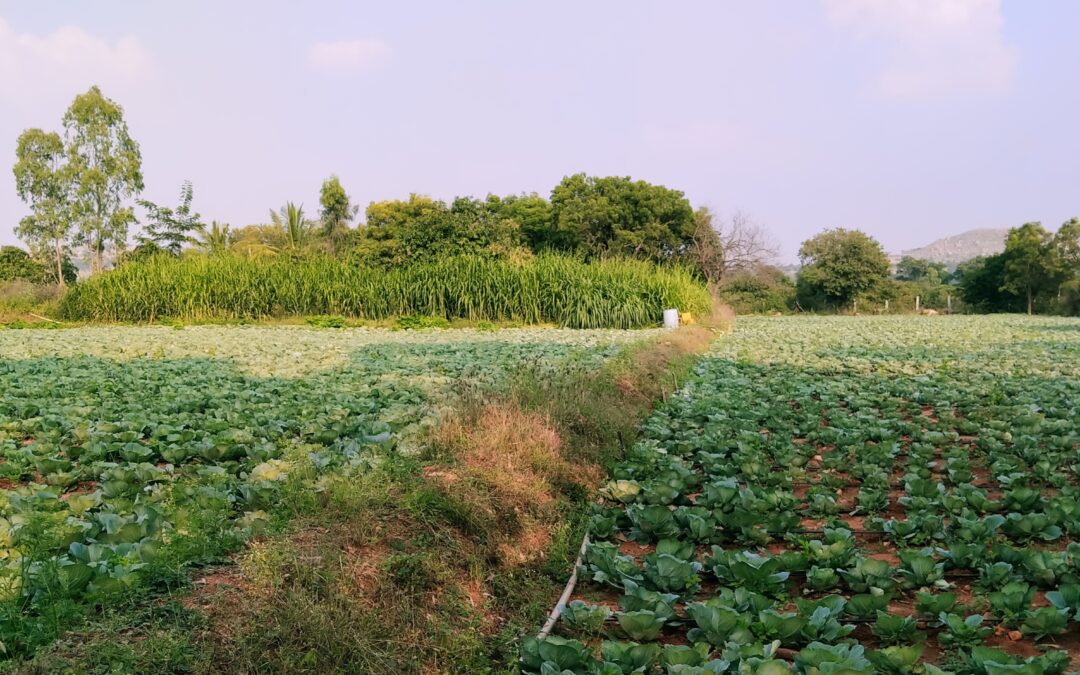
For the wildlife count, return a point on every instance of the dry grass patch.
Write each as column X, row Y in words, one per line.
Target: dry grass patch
column 509, row 465
column 516, row 453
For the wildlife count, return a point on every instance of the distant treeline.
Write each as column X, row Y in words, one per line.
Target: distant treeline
column 79, row 186
column 845, row 270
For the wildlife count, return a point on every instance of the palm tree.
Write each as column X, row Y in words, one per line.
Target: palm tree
column 296, row 230
column 214, row 239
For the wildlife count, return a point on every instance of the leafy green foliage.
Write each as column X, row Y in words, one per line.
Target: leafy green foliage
column 1044, row 621
column 133, row 453
column 641, row 624
column 838, row 265
column 752, row 468
column 607, row 216
column 337, row 211
column 44, row 180
column 105, row 169
column 581, row 616
column 894, row 629
column 170, row 229
column 963, row 632
column 1067, row 600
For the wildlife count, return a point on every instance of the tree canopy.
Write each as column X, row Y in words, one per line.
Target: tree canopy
column 920, row 269
column 1037, row 271
column 337, row 211
column 421, row 227
column 840, row 264
column 615, row 215
column 106, row 170
column 43, row 179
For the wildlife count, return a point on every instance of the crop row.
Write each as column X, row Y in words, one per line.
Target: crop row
column 790, row 512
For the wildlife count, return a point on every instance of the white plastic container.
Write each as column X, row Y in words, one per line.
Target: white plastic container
column 671, row 319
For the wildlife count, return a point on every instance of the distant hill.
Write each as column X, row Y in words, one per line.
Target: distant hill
column 960, row 247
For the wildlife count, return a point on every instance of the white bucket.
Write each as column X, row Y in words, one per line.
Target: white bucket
column 671, row 319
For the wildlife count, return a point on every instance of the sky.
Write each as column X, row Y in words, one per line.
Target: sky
column 908, row 119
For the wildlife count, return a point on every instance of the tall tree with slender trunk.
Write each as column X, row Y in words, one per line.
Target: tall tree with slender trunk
column 43, row 180
column 107, row 170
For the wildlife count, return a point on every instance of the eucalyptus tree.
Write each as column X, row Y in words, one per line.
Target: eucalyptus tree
column 106, row 170
column 43, row 181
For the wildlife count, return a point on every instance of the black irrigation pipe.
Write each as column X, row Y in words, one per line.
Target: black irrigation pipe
column 922, row 623
column 953, row 574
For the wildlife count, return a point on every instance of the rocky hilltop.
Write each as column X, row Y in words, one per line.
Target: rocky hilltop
column 960, row 247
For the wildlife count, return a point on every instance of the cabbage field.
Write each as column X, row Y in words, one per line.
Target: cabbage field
column 844, row 495
column 129, row 453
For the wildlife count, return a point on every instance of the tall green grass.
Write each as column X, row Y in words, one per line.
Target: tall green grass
column 544, row 289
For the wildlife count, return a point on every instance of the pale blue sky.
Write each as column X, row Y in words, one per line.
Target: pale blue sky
column 909, row 119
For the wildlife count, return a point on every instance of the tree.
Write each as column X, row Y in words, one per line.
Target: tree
column 764, row 289
column 487, row 226
column 43, row 181
column 1028, row 262
column 215, row 239
column 980, row 283
column 839, row 264
column 296, row 230
column 739, row 246
column 68, row 272
column 706, row 249
column 170, row 229
column 106, row 170
column 920, row 269
column 530, row 215
column 1065, row 262
column 258, row 241
column 398, row 232
column 618, row 216
column 337, row 211
column 16, row 264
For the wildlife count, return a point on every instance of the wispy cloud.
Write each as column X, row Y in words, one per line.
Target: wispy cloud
column 934, row 47
column 67, row 57
column 350, row 55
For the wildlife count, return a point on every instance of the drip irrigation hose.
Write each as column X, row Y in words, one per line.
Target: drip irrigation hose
column 557, row 611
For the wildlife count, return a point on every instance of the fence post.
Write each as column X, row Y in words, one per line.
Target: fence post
column 886, row 306
column 918, row 301
column 948, row 302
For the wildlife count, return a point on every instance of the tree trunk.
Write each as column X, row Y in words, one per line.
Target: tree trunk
column 1029, row 300
column 59, row 264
